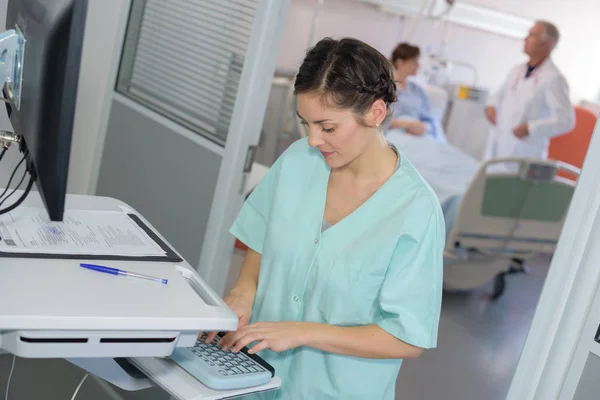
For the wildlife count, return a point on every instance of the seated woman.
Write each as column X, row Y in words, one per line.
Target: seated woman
column 412, row 111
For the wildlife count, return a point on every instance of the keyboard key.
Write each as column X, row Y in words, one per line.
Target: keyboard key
column 243, row 369
column 220, row 369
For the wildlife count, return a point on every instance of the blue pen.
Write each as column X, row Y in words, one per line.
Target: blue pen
column 116, row 271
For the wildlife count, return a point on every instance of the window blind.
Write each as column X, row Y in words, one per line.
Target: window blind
column 184, row 59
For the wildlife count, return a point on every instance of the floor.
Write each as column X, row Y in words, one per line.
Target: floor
column 479, row 341
column 479, row 345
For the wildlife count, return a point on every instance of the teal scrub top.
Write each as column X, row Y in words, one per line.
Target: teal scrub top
column 382, row 264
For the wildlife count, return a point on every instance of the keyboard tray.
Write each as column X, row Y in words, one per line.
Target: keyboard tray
column 182, row 386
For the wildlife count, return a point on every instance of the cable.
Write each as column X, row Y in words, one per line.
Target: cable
column 79, row 386
column 4, row 149
column 13, row 175
column 12, row 368
column 22, row 198
column 15, row 189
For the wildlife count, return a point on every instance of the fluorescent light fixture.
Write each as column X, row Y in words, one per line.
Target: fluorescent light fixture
column 490, row 20
column 462, row 13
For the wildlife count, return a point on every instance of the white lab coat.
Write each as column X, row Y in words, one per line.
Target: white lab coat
column 542, row 101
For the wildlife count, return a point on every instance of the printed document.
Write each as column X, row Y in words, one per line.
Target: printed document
column 29, row 230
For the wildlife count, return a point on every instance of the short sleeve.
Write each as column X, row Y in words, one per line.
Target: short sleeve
column 411, row 294
column 250, row 225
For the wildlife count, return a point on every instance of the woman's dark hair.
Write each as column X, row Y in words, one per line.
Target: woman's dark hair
column 404, row 52
column 348, row 73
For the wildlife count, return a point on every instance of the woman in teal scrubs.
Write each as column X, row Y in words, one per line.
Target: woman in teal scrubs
column 343, row 276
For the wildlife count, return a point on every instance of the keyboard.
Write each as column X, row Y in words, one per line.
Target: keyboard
column 222, row 370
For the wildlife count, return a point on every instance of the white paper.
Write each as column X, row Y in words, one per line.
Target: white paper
column 29, row 230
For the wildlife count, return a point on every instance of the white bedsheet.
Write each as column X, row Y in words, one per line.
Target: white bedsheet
column 446, row 168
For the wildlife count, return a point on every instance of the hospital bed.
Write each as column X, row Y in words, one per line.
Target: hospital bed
column 505, row 218
column 494, row 220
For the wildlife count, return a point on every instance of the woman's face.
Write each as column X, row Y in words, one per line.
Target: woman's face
column 407, row 67
column 336, row 133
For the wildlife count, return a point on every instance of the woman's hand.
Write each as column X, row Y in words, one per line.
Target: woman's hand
column 411, row 127
column 415, row 128
column 241, row 305
column 276, row 336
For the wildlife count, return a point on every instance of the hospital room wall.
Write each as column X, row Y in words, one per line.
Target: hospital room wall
column 384, row 31
column 337, row 18
column 492, row 55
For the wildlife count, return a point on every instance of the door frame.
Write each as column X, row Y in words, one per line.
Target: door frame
column 567, row 294
column 244, row 131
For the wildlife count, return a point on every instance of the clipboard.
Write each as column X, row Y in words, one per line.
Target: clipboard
column 170, row 256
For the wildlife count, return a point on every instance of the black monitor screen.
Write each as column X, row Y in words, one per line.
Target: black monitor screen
column 53, row 31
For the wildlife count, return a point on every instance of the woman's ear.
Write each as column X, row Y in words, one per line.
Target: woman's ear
column 377, row 113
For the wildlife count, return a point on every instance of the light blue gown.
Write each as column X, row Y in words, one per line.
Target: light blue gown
column 413, row 104
column 381, row 265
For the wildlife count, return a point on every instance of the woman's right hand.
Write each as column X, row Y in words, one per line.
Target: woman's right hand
column 415, row 128
column 241, row 304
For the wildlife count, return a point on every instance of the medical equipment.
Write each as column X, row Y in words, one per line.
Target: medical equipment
column 506, row 216
column 472, row 199
column 465, row 123
column 223, row 370
column 49, row 306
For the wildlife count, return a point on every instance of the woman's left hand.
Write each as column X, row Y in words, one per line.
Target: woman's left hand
column 276, row 336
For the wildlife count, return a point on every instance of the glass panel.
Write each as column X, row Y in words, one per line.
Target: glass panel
column 184, row 60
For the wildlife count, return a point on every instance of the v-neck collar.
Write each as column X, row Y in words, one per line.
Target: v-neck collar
column 356, row 213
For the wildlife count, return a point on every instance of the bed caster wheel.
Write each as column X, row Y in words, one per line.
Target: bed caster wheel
column 499, row 284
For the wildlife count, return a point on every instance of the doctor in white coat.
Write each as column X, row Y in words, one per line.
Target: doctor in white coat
column 533, row 103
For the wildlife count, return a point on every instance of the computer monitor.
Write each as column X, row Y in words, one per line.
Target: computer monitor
column 43, row 104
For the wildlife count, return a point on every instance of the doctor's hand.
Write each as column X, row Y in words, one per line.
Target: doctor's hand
column 521, row 131
column 490, row 113
column 241, row 305
column 276, row 336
